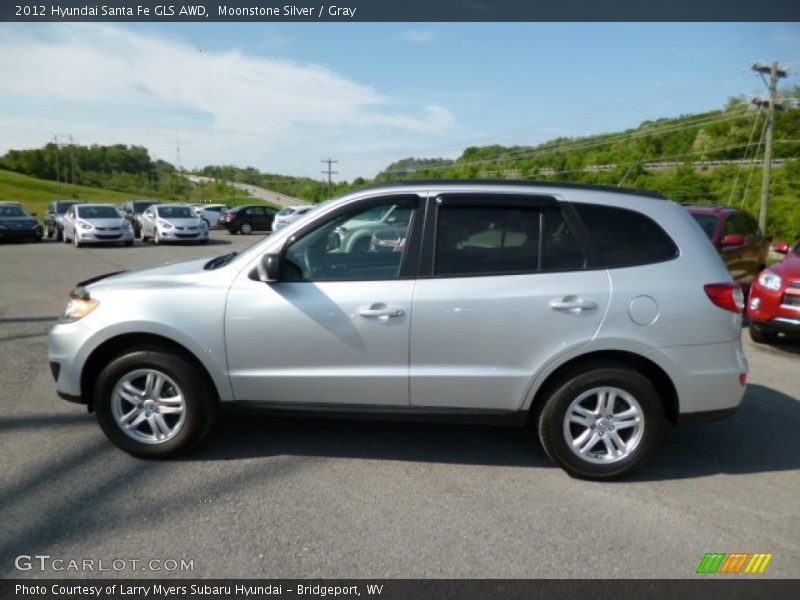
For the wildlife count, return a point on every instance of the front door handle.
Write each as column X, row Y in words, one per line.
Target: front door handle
column 572, row 304
column 381, row 311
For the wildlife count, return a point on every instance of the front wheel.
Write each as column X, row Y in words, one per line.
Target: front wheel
column 154, row 403
column 601, row 422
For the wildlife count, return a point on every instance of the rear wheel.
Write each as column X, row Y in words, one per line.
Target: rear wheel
column 154, row 403
column 762, row 335
column 602, row 421
column 246, row 228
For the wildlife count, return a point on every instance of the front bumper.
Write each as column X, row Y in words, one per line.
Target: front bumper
column 21, row 234
column 172, row 235
column 99, row 237
column 67, row 345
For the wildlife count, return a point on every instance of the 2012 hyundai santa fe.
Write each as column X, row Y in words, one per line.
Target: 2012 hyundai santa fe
column 600, row 314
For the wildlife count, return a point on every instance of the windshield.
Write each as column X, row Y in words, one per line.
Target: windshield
column 12, row 211
column 707, row 222
column 63, row 207
column 286, row 211
column 98, row 212
column 140, row 207
column 175, row 212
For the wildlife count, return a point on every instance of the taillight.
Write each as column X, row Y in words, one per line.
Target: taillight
column 231, row 216
column 726, row 295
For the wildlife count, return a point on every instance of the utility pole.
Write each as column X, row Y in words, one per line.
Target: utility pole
column 328, row 172
column 775, row 73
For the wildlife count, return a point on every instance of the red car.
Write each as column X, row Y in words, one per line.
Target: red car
column 774, row 303
column 736, row 236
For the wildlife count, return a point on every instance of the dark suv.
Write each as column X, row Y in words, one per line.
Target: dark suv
column 736, row 236
column 53, row 216
column 249, row 218
column 133, row 210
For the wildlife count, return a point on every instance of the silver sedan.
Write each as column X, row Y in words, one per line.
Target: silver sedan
column 96, row 223
column 173, row 223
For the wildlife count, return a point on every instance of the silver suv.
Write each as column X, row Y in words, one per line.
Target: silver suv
column 597, row 314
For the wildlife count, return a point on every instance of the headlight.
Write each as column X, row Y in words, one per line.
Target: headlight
column 165, row 224
column 79, row 306
column 771, row 281
column 126, row 225
column 84, row 225
column 203, row 225
column 3, row 226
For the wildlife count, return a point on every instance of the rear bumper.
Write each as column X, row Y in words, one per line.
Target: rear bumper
column 706, row 416
column 706, row 378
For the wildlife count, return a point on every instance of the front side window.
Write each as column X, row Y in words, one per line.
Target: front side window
column 353, row 246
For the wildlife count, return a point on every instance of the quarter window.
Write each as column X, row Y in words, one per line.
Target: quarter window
column 625, row 238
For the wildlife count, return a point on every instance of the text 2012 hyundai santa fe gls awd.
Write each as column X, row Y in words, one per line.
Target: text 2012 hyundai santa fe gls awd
column 598, row 313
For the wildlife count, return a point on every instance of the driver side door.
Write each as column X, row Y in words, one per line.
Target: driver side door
column 334, row 329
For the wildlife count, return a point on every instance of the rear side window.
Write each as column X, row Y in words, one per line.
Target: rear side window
column 625, row 238
column 503, row 240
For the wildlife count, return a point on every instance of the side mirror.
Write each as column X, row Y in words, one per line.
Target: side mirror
column 34, row 214
column 733, row 239
column 269, row 268
column 782, row 248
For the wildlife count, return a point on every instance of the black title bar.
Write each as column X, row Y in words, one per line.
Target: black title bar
column 398, row 10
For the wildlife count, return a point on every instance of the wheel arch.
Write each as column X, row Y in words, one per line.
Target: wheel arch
column 113, row 347
column 662, row 382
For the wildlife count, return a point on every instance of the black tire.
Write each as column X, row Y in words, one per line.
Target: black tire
column 760, row 335
column 129, row 243
column 197, row 390
column 59, row 235
column 48, row 232
column 246, row 229
column 551, row 415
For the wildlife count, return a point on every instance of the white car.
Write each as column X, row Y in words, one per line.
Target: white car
column 95, row 224
column 210, row 213
column 288, row 215
column 173, row 223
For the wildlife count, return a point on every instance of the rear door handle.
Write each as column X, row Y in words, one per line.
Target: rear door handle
column 381, row 311
column 572, row 304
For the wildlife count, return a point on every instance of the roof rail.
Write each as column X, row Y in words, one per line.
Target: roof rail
column 516, row 183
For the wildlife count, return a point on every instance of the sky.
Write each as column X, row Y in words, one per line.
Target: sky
column 281, row 97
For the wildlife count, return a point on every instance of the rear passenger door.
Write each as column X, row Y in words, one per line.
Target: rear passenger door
column 503, row 290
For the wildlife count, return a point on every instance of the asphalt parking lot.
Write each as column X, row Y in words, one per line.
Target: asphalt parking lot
column 265, row 497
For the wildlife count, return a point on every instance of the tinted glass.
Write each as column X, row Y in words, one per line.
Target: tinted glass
column 487, row 240
column 625, row 238
column 175, row 212
column 708, row 223
column 98, row 212
column 63, row 207
column 140, row 207
column 352, row 247
column 286, row 211
column 12, row 211
column 560, row 249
